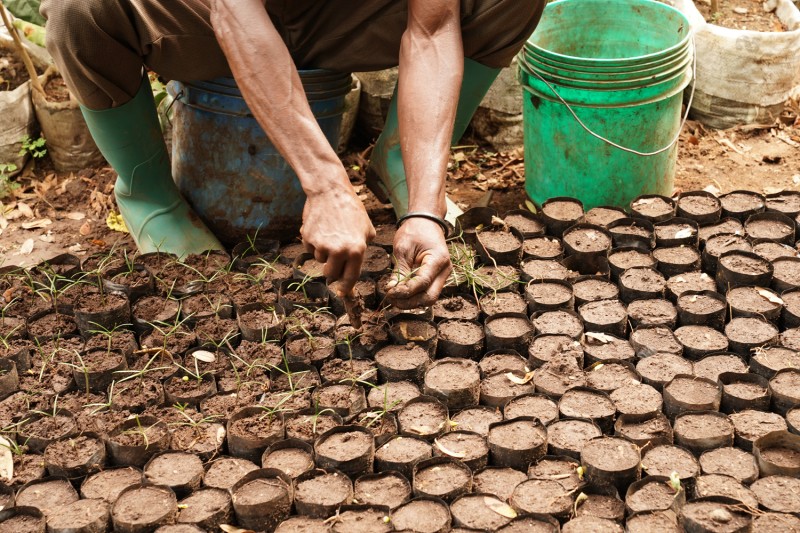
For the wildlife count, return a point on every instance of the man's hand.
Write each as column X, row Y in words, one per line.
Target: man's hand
column 336, row 229
column 422, row 264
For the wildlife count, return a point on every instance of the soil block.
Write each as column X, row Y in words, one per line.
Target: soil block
column 497, row 389
column 559, row 322
column 601, row 502
column 744, row 391
column 22, row 520
column 558, row 375
column 389, row 489
column 654, row 493
column 262, row 499
column 182, row 472
column 637, row 399
column 456, row 382
column 142, row 508
column 699, row 341
column 712, row 366
column 605, row 316
column 536, row 405
column 700, row 206
column 690, row 281
column 508, row 331
column 599, row 347
column 653, row 207
column 539, row 269
column 206, row 508
column 604, row 215
column 742, row 204
column 477, row 512
column 778, row 493
column 651, row 340
column 568, row 437
column 593, row 288
column 319, row 493
column 542, row 248
column 652, row 312
column 496, row 279
column 624, row 257
column 400, row 454
column 718, row 245
column 75, row 457
column 745, row 334
column 81, row 516
column 644, row 430
column 290, row 456
column 402, row 363
column 497, row 481
column 395, row 394
column 548, row 295
column 611, row 375
column 775, row 227
column 611, row 461
column 135, row 441
column 350, row 449
column 786, row 274
column 424, row 515
column 46, row 494
column 582, row 402
column 750, row 425
column 542, row 497
column 560, row 213
column 517, row 443
column 727, row 225
column 499, row 246
column 251, row 430
column 476, row 419
column 456, row 308
column 424, row 417
column 545, row 347
column 778, row 453
column 641, row 283
column 664, row 459
column 502, row 302
column 632, row 232
column 108, row 484
column 502, row 361
column 525, row 222
column 468, row 447
column 703, row 430
column 460, row 338
column 705, row 515
column 345, row 399
column 441, row 477
column 587, row 241
column 648, row 521
column 676, row 260
column 740, row 269
column 702, row 308
column 559, row 468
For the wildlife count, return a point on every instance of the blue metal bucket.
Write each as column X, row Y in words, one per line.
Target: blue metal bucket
column 228, row 169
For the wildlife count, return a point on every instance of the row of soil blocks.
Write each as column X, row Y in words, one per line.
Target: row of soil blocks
column 610, row 370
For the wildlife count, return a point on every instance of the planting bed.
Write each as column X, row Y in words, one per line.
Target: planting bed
column 598, row 371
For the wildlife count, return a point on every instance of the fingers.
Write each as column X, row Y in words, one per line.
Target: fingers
column 423, row 299
column 424, row 286
column 352, row 271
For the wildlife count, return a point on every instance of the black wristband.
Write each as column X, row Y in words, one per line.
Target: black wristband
column 446, row 228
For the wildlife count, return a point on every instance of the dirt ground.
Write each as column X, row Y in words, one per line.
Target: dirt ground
column 52, row 213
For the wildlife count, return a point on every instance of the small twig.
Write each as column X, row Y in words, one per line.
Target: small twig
column 21, row 49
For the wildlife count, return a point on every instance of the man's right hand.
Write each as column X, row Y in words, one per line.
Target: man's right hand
column 336, row 229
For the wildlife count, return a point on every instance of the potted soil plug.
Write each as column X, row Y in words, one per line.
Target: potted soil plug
column 700, row 206
column 560, row 213
column 344, row 399
column 703, row 515
column 98, row 308
column 769, row 360
column 699, row 341
column 591, row 266
column 422, row 514
column 350, row 449
column 75, row 457
column 400, row 454
column 638, row 399
column 150, row 310
column 23, row 518
column 460, row 338
column 542, row 248
column 652, row 312
column 605, row 316
column 559, row 322
column 545, row 347
column 468, row 447
column 653, row 207
column 622, row 258
column 528, row 224
column 40, row 428
column 677, row 260
column 677, row 232
column 549, row 295
column 206, row 508
column 292, row 457
column 180, row 471
column 641, row 283
column 82, row 516
column 424, row 417
column 107, row 484
column 131, row 278
column 741, row 269
column 402, row 363
column 746, row 334
column 592, row 289
column 633, row 232
column 136, row 440
column 583, row 402
column 690, row 393
column 771, row 227
column 225, row 471
column 502, row 361
column 744, row 391
column 644, row 430
column 319, row 493
column 421, row 332
column 702, row 308
column 456, row 382
column 498, row 388
column 655, row 493
column 599, row 347
column 9, row 378
column 604, row 215
column 481, row 512
column 251, row 430
column 262, row 499
column 456, row 307
column 499, row 245
column 786, row 274
column 611, row 461
column 144, row 507
column 778, row 454
column 96, row 369
column 587, row 241
column 717, row 245
column 517, row 443
column 784, row 388
column 538, row 497
column 476, row 419
column 712, row 366
column 497, row 481
column 508, row 331
column 700, row 431
column 441, row 477
column 305, row 293
column 664, row 459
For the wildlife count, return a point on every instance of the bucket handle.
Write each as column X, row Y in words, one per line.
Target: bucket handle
column 612, row 143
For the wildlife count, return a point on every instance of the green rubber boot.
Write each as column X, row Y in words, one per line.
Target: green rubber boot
column 157, row 216
column 386, row 177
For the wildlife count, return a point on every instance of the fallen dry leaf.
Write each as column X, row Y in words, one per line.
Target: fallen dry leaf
column 37, row 224
column 519, row 380
column 85, row 229
column 771, row 296
column 233, row 529
column 25, row 209
column 75, row 215
column 600, row 337
column 47, row 237
column 6, row 460
column 447, row 451
column 499, row 507
column 684, row 233
column 204, row 356
column 27, row 247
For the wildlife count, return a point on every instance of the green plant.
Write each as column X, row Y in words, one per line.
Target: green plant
column 189, row 421
column 5, row 340
column 35, row 147
column 6, row 185
column 108, row 333
column 146, row 369
column 100, row 407
column 300, row 286
column 140, row 430
column 82, row 368
column 375, row 416
column 318, row 413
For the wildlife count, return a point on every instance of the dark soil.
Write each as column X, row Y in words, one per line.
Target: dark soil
column 12, row 71
column 542, row 248
column 664, row 459
column 652, row 207
column 652, row 312
column 499, row 482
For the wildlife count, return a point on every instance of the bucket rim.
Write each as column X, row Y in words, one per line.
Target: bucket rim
column 603, row 69
column 626, row 60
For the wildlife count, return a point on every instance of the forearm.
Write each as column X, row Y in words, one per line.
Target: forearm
column 270, row 84
column 431, row 69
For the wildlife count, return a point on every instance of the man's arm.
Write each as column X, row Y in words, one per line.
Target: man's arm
column 431, row 69
column 335, row 224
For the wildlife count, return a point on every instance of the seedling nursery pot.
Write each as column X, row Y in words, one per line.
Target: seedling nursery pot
column 160, row 502
column 319, row 493
column 777, row 454
column 251, row 430
column 126, row 443
column 742, row 391
column 441, row 477
column 262, row 499
column 350, row 449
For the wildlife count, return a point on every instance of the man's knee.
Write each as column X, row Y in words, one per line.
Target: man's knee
column 494, row 32
column 68, row 19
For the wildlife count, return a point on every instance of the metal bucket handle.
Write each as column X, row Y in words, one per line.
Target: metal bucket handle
column 612, row 143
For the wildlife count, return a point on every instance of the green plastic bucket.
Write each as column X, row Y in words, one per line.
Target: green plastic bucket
column 602, row 103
